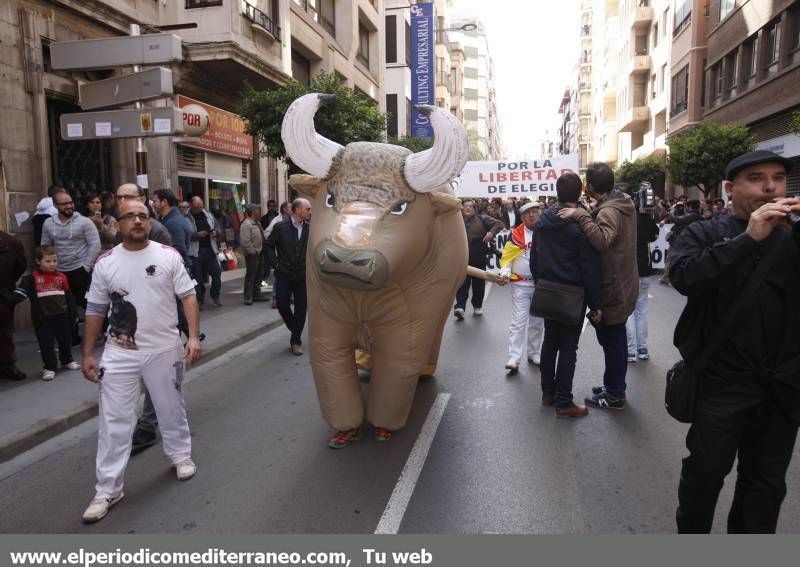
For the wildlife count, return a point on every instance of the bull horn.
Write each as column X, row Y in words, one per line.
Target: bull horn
column 311, row 152
column 426, row 171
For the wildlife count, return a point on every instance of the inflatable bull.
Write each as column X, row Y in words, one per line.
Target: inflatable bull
column 387, row 251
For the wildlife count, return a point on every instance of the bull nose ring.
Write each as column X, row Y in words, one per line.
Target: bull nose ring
column 332, row 257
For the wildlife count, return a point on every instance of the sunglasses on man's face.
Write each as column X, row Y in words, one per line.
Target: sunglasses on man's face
column 131, row 217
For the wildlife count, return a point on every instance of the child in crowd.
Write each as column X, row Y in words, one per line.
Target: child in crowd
column 52, row 310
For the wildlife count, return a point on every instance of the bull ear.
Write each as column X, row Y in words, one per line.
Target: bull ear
column 307, row 185
column 444, row 203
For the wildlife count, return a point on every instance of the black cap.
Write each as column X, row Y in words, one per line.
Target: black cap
column 754, row 158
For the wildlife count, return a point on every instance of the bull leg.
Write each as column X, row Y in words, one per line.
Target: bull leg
column 392, row 385
column 331, row 345
column 433, row 358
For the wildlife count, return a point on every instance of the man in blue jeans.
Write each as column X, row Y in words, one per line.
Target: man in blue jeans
column 204, row 252
column 611, row 230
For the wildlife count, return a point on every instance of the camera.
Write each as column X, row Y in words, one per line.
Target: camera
column 644, row 198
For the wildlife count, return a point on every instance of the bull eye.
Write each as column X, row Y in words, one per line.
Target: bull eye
column 399, row 208
column 330, row 200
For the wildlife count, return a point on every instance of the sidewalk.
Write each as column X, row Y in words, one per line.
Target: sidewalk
column 32, row 411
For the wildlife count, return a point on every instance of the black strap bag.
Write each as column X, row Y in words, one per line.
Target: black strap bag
column 684, row 380
column 558, row 302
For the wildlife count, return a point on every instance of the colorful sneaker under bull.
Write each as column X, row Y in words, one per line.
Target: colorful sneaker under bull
column 344, row 438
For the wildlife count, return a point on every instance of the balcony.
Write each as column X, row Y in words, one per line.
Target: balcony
column 635, row 119
column 642, row 17
column 260, row 22
column 640, row 65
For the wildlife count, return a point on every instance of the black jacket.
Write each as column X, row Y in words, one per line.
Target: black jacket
column 560, row 252
column 286, row 253
column 680, row 222
column 646, row 232
column 507, row 218
column 710, row 263
column 477, row 226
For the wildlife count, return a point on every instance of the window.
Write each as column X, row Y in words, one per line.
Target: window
column 202, row 3
column 363, row 44
column 408, row 44
column 655, row 35
column 750, row 58
column 772, row 41
column 715, row 83
column 663, row 82
column 408, row 116
column 731, row 73
column 680, row 91
column 327, row 15
column 391, row 115
column 683, row 15
column 391, row 40
column 301, row 68
column 441, row 72
column 793, row 27
column 653, row 86
column 725, row 8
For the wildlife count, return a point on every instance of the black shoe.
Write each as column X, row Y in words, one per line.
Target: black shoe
column 12, row 373
column 598, row 389
column 216, row 302
column 605, row 401
column 142, row 440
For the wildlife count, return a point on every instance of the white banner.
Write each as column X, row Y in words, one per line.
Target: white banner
column 504, row 179
column 658, row 249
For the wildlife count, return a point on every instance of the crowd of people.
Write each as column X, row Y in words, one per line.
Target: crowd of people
column 582, row 254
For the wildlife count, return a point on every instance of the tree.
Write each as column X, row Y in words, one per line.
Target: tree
column 652, row 169
column 413, row 144
column 354, row 117
column 796, row 123
column 698, row 157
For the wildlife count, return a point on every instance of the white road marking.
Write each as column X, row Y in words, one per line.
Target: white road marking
column 401, row 495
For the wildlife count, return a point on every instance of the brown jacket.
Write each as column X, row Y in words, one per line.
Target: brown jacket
column 611, row 229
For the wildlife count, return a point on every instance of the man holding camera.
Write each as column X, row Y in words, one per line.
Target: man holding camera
column 748, row 402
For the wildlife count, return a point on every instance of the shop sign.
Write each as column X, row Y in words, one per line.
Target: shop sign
column 786, row 146
column 226, row 131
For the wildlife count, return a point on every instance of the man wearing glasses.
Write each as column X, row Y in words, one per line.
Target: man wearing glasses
column 135, row 283
column 76, row 241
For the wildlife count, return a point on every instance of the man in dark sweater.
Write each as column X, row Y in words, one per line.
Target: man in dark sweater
column 286, row 247
column 561, row 253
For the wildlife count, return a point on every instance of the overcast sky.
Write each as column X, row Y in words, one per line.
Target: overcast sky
column 535, row 46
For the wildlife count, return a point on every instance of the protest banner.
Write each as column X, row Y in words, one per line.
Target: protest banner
column 658, row 249
column 504, row 179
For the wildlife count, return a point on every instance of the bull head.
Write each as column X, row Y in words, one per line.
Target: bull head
column 373, row 182
column 423, row 171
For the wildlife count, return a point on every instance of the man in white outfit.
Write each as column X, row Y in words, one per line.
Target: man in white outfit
column 135, row 283
column 515, row 267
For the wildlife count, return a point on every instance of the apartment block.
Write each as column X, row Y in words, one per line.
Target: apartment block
column 688, row 62
column 643, row 78
column 605, row 44
column 226, row 43
column 752, row 72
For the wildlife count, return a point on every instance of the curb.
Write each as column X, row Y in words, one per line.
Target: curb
column 20, row 441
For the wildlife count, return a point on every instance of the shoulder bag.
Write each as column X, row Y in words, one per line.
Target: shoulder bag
column 558, row 302
column 684, row 379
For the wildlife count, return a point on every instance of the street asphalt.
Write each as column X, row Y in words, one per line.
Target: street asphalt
column 499, row 462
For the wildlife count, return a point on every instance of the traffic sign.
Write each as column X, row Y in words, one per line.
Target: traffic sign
column 145, row 85
column 111, row 124
column 110, row 52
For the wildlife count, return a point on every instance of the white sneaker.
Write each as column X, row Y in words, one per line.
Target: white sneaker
column 459, row 313
column 535, row 359
column 72, row 366
column 98, row 508
column 48, row 375
column 185, row 470
column 512, row 364
column 477, row 311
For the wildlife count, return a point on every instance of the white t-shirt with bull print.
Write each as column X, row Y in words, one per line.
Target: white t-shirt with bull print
column 140, row 288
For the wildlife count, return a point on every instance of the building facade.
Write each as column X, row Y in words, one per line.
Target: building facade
column 688, row 62
column 226, row 43
column 752, row 72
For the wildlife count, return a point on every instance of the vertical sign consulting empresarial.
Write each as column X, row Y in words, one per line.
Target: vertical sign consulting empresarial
column 422, row 63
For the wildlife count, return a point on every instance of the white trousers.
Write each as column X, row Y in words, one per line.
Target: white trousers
column 119, row 392
column 521, row 296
